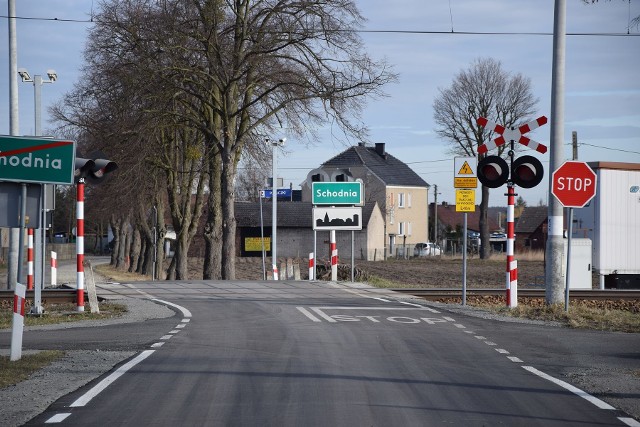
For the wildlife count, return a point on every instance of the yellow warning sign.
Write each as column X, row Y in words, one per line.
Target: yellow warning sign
column 465, row 169
column 470, row 182
column 465, row 200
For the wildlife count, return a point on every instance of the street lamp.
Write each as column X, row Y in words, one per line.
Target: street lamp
column 40, row 233
column 274, row 212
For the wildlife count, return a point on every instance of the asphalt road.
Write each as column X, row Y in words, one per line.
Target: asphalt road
column 296, row 353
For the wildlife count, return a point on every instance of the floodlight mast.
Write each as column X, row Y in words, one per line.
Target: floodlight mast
column 274, row 198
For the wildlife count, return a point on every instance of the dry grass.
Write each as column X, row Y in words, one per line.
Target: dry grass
column 14, row 372
column 59, row 313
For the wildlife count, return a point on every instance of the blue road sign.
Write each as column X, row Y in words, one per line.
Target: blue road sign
column 282, row 193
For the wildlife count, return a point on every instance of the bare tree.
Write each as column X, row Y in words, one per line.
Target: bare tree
column 483, row 90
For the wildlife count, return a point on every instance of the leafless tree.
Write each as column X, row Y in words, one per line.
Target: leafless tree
column 483, row 90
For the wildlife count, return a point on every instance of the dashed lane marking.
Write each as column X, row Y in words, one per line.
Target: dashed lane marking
column 58, row 418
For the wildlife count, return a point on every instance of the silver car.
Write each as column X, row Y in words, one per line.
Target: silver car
column 426, row 249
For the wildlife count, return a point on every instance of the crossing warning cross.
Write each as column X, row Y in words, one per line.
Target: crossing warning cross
column 512, row 134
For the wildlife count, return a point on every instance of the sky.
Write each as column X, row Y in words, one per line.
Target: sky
column 602, row 87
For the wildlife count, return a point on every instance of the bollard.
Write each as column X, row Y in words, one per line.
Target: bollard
column 334, row 257
column 30, row 259
column 54, row 268
column 17, row 326
column 311, row 262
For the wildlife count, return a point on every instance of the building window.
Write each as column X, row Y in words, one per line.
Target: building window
column 408, row 229
column 408, row 200
column 401, row 200
column 401, row 228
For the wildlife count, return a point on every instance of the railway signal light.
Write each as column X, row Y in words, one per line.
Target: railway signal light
column 527, row 172
column 93, row 169
column 493, row 171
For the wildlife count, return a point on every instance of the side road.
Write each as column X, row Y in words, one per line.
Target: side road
column 25, row 400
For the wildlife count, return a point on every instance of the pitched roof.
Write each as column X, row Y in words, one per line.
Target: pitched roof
column 387, row 168
column 531, row 219
column 290, row 214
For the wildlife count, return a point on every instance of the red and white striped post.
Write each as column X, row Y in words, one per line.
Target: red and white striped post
column 311, row 265
column 17, row 326
column 54, row 268
column 512, row 264
column 80, row 245
column 334, row 256
column 30, row 259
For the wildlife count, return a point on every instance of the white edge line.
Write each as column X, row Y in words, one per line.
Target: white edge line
column 156, row 345
column 185, row 312
column 98, row 388
column 450, row 319
column 380, row 299
column 309, row 315
column 411, row 304
column 575, row 390
column 58, row 418
column 514, row 359
column 629, row 421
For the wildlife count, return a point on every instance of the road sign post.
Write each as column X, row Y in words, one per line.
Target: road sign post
column 574, row 185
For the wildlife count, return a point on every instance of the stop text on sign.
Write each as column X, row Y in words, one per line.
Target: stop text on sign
column 574, row 184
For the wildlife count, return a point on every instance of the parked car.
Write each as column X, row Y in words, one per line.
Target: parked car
column 498, row 235
column 426, row 249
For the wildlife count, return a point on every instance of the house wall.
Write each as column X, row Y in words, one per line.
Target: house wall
column 412, row 213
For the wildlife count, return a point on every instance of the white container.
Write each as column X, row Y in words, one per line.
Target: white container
column 580, row 264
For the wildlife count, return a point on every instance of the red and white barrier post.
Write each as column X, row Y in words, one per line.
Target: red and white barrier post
column 311, row 264
column 17, row 326
column 30, row 259
column 54, row 268
column 334, row 257
column 512, row 264
column 80, row 245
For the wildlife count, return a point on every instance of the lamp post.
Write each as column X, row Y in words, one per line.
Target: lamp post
column 40, row 235
column 274, row 212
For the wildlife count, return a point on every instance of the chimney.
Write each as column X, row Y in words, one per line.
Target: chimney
column 380, row 149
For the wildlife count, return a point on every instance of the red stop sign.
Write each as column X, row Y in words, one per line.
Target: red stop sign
column 574, row 184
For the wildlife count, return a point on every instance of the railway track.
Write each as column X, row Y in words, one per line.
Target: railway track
column 574, row 294
column 62, row 295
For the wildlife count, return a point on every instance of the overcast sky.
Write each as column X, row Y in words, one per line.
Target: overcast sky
column 602, row 99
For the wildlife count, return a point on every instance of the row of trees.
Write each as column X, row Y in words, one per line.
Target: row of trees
column 179, row 91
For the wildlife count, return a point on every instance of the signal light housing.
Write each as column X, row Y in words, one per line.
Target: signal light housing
column 527, row 172
column 493, row 171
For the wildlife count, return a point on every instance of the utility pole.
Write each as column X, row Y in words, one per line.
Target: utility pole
column 14, row 236
column 554, row 280
column 435, row 215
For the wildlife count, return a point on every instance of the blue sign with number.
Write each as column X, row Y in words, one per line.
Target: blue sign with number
column 282, row 193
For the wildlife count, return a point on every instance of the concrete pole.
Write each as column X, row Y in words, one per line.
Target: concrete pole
column 274, row 210
column 14, row 234
column 554, row 283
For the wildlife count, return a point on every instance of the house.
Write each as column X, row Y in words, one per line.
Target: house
column 296, row 236
column 401, row 195
column 531, row 229
column 450, row 224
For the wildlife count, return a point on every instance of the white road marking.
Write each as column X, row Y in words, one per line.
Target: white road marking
column 490, row 343
column 514, row 359
column 165, row 337
column 629, row 421
column 175, row 331
column 324, row 316
column 186, row 320
column 502, row 351
column 98, row 388
column 309, row 315
column 458, row 325
column 469, row 332
column 381, row 299
column 448, row 318
column 180, row 326
column 411, row 304
column 157, row 345
column 575, row 390
column 58, row 418
column 480, row 337
column 185, row 312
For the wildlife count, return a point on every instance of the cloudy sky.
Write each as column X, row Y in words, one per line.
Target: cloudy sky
column 602, row 99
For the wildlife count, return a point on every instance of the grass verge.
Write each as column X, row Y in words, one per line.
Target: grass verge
column 60, row 313
column 14, row 372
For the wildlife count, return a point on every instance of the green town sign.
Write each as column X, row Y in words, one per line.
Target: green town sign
column 39, row 160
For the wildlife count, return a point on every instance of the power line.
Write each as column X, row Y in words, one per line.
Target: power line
column 418, row 32
column 609, row 148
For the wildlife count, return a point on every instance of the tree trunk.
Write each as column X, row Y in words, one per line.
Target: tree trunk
column 228, row 221
column 134, row 250
column 212, row 266
column 116, row 223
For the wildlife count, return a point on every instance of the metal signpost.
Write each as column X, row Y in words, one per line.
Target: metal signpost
column 465, row 170
column 574, row 185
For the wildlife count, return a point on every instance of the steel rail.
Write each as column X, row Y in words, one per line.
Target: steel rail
column 577, row 294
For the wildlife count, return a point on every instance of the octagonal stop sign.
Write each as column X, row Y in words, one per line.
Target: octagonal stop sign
column 574, row 184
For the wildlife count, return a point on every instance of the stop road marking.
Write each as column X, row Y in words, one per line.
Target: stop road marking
column 316, row 314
